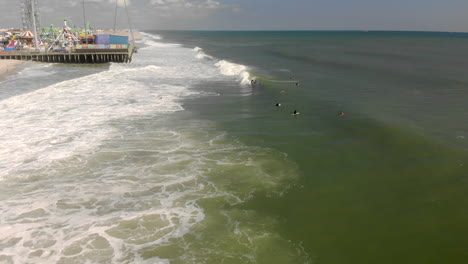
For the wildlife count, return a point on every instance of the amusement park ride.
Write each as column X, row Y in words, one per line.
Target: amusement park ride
column 74, row 45
column 31, row 18
column 66, row 38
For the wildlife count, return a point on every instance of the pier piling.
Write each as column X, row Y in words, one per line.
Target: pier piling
column 95, row 56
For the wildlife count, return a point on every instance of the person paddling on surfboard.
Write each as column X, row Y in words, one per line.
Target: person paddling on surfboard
column 253, row 83
column 295, row 112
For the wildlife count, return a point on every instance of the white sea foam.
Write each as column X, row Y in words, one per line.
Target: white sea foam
column 102, row 169
column 57, row 134
column 36, row 70
column 70, row 117
column 151, row 36
column 233, row 69
column 153, row 41
column 201, row 54
column 161, row 45
column 226, row 67
column 135, row 193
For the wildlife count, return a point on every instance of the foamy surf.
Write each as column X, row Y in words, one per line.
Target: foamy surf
column 233, row 69
column 226, row 67
column 110, row 168
column 137, row 196
column 70, row 117
column 201, row 54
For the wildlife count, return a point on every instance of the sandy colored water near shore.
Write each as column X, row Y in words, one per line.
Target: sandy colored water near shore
column 8, row 67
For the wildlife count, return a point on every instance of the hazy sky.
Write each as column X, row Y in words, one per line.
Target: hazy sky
column 435, row 15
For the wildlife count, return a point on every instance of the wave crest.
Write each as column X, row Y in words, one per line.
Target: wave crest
column 233, row 69
column 201, row 54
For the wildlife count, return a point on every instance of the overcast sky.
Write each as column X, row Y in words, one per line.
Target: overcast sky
column 427, row 15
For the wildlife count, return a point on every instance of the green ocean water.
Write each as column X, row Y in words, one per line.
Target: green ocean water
column 386, row 182
column 176, row 158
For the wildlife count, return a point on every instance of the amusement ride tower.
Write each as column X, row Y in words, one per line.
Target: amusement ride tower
column 30, row 17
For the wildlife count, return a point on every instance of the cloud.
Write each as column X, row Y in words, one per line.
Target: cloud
column 212, row 4
column 166, row 14
column 187, row 4
column 120, row 3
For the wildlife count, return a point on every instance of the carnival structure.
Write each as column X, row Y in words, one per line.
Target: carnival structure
column 68, row 44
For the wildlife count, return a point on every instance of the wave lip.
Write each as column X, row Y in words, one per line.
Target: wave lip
column 226, row 67
column 232, row 69
column 201, row 54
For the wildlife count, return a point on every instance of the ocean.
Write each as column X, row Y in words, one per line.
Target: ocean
column 191, row 153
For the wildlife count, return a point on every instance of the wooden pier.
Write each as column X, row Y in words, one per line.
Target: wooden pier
column 75, row 56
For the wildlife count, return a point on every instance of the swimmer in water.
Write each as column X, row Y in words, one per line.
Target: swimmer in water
column 295, row 112
column 282, row 91
column 341, row 113
column 253, row 82
column 297, row 83
column 277, row 104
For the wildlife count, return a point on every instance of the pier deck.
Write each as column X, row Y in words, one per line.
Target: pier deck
column 77, row 56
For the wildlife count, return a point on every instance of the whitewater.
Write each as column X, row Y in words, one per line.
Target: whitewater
column 106, row 165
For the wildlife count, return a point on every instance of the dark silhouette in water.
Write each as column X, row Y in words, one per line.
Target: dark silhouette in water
column 277, row 104
column 253, row 83
column 295, row 112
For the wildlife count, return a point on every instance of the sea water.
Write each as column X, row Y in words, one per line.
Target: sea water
column 179, row 157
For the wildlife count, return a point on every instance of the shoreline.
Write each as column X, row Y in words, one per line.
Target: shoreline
column 9, row 68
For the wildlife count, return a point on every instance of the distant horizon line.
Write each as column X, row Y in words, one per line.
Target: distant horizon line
column 310, row 30
column 285, row 30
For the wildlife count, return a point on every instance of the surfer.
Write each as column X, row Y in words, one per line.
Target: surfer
column 277, row 104
column 295, row 112
column 253, row 83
